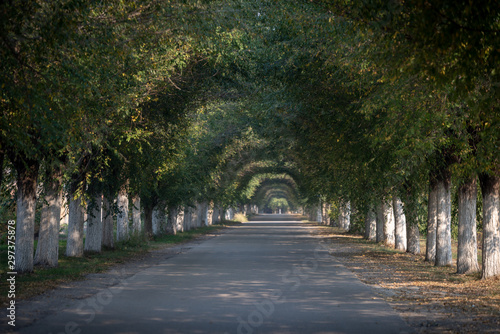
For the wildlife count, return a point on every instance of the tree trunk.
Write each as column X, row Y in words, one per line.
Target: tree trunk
column 389, row 224
column 319, row 216
column 25, row 223
column 93, row 240
column 490, row 187
column 122, row 222
column 326, row 217
column 180, row 220
column 148, row 220
column 210, row 214
column 413, row 238
column 136, row 215
column 74, row 245
column 467, row 230
column 380, row 222
column 47, row 250
column 345, row 213
column 172, row 221
column 159, row 218
column 198, row 214
column 412, row 229
column 204, row 213
column 215, row 215
column 108, row 239
column 443, row 230
column 371, row 225
column 400, row 221
column 430, row 249
column 187, row 218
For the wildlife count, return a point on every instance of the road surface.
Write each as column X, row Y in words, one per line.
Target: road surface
column 270, row 275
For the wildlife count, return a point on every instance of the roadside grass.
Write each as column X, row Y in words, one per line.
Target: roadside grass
column 241, row 217
column 71, row 268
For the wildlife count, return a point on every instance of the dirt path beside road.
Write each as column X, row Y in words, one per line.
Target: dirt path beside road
column 429, row 299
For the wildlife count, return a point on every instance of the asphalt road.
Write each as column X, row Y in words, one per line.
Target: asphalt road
column 270, row 275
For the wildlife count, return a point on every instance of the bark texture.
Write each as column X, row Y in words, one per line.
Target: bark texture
column 412, row 230
column 108, row 239
column 172, row 221
column 204, row 213
column 187, row 218
column 74, row 245
column 325, row 213
column 122, row 222
column 490, row 186
column 47, row 250
column 380, row 222
column 400, row 222
column 389, row 224
column 430, row 249
column 25, row 223
column 156, row 222
column 371, row 225
column 467, row 231
column 413, row 238
column 216, row 215
column 93, row 240
column 443, row 230
column 148, row 220
column 180, row 220
column 345, row 215
column 136, row 215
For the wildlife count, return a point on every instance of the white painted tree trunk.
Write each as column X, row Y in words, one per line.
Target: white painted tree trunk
column 467, row 229
column 180, row 220
column 210, row 215
column 216, row 215
column 47, row 250
column 371, row 225
column 108, row 239
column 159, row 218
column 326, row 218
column 198, row 215
column 345, row 215
column 400, row 222
column 443, row 230
column 203, row 214
column 122, row 221
column 380, row 222
column 490, row 186
column 172, row 221
column 25, row 222
column 136, row 215
column 187, row 218
column 412, row 229
column 64, row 211
column 74, row 244
column 413, row 237
column 93, row 240
column 156, row 220
column 430, row 249
column 389, row 224
column 319, row 216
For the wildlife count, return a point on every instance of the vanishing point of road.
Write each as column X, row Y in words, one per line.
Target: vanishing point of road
column 270, row 275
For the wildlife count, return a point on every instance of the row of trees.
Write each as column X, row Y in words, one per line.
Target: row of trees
column 102, row 102
column 364, row 106
column 403, row 106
